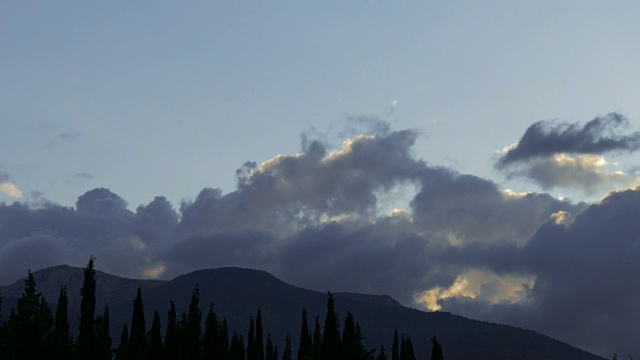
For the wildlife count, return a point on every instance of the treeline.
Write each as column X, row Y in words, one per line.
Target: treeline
column 32, row 332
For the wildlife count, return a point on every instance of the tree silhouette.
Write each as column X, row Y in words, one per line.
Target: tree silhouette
column 138, row 334
column 382, row 354
column 331, row 336
column 258, row 346
column 121, row 352
column 251, row 339
column 86, row 336
column 171, row 339
column 154, row 352
column 61, row 343
column 395, row 348
column 286, row 354
column 194, row 327
column 436, row 349
column 305, row 348
column 211, row 346
column 317, row 339
column 103, row 339
column 29, row 325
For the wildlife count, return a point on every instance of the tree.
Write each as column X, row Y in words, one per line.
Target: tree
column 251, row 339
column 86, row 336
column 29, row 325
column 286, row 354
column 3, row 334
column 317, row 338
column 61, row 343
column 258, row 346
column 194, row 327
column 138, row 335
column 436, row 349
column 236, row 349
column 154, row 351
column 331, row 336
column 382, row 355
column 406, row 349
column 305, row 348
column 269, row 355
column 123, row 347
column 395, row 348
column 103, row 339
column 224, row 339
column 352, row 346
column 211, row 343
column 171, row 338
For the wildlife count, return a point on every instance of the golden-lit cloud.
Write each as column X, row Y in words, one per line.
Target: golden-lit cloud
column 11, row 190
column 155, row 272
column 478, row 285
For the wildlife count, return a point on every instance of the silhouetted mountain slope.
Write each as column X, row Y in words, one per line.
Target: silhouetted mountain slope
column 239, row 292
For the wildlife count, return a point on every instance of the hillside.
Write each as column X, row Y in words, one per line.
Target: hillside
column 239, row 292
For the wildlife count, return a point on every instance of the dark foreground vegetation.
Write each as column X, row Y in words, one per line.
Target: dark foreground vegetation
column 32, row 332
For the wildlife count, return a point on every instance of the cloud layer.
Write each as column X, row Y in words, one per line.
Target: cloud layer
column 318, row 219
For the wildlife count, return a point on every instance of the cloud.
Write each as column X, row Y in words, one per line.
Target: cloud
column 546, row 138
column 566, row 155
column 84, row 176
column 319, row 219
column 581, row 171
column 8, row 188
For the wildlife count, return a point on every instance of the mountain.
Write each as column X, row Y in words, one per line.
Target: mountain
column 238, row 293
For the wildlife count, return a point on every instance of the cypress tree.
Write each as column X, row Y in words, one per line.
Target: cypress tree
column 409, row 349
column 269, row 349
column 194, row 327
column 348, row 345
column 171, row 340
column 352, row 346
column 138, row 335
column 236, row 349
column 331, row 336
column 61, row 344
column 317, row 339
column 224, row 339
column 211, row 342
column 395, row 348
column 436, row 349
column 103, row 338
column 123, row 347
column 183, row 337
column 155, row 339
column 258, row 346
column 286, row 354
column 275, row 352
column 85, row 345
column 29, row 325
column 251, row 339
column 3, row 335
column 382, row 355
column 305, row 348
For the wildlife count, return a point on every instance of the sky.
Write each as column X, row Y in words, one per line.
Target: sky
column 473, row 157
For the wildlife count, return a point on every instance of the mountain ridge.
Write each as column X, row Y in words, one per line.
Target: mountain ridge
column 238, row 292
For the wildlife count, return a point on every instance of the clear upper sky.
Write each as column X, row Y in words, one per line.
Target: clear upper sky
column 164, row 98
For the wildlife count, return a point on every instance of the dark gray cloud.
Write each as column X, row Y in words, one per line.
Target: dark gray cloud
column 546, row 138
column 314, row 219
column 566, row 155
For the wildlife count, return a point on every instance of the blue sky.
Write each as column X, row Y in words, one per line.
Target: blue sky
column 117, row 94
column 345, row 111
